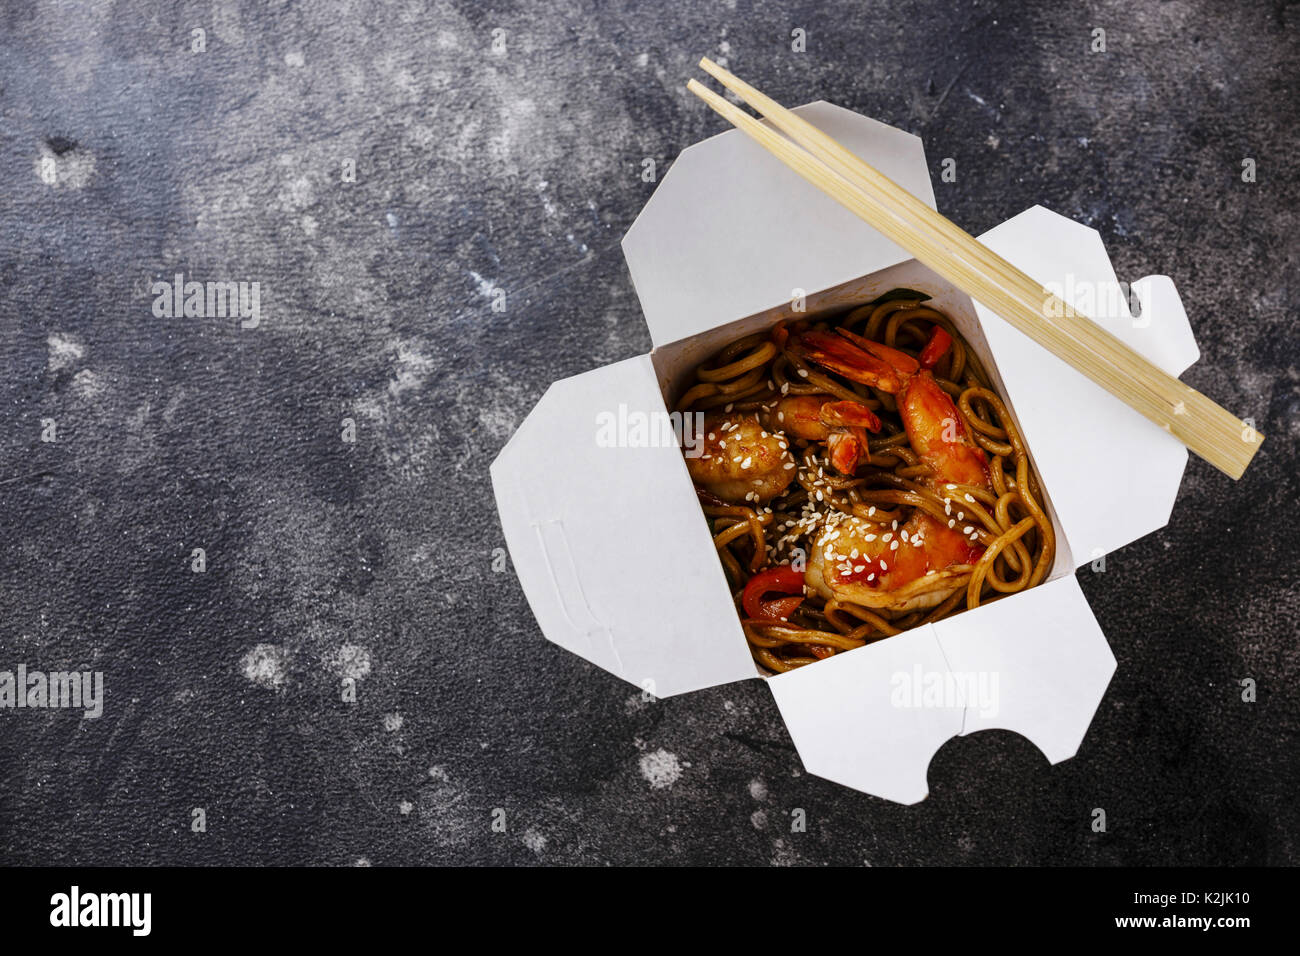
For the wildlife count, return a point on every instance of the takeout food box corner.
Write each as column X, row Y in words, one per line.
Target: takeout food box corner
column 617, row 560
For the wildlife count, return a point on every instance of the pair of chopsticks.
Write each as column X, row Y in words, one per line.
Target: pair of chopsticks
column 1214, row 433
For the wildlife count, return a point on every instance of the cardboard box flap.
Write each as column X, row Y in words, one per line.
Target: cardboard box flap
column 608, row 541
column 1037, row 664
column 730, row 231
column 1111, row 474
column 851, row 724
column 872, row 719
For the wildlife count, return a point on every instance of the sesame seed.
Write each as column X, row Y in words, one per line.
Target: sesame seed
column 952, row 522
column 729, row 407
column 893, row 546
column 967, row 530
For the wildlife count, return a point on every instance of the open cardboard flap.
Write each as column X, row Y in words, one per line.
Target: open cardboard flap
column 609, row 544
column 1111, row 474
column 731, row 230
column 1036, row 663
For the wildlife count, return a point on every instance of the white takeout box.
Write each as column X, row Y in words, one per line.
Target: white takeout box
column 617, row 560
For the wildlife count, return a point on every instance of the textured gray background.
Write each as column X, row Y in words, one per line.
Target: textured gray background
column 522, row 171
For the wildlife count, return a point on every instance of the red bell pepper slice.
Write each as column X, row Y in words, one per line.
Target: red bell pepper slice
column 783, row 580
column 939, row 343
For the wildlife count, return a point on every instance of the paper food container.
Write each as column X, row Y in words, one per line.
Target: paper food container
column 617, row 559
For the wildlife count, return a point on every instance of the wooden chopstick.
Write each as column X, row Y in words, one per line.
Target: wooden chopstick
column 1207, row 429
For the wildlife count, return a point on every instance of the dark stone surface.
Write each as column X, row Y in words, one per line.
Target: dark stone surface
column 521, row 171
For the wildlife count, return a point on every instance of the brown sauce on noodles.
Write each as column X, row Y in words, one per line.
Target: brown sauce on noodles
column 774, row 530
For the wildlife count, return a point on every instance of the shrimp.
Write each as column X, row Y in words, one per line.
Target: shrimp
column 840, row 424
column 921, row 563
column 740, row 461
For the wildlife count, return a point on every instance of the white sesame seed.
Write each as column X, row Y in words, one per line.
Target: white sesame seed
column 967, row 530
column 803, row 373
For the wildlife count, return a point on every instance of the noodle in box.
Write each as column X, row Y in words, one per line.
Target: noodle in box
column 891, row 493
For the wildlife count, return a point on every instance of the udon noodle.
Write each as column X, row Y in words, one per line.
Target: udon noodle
column 820, row 520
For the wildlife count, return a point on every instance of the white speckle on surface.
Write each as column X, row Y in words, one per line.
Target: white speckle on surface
column 393, row 722
column 266, row 665
column 642, row 59
column 350, row 660
column 296, row 195
column 405, row 807
column 64, row 351
column 660, row 769
column 534, row 841
column 87, row 384
column 72, row 169
column 485, row 286
column 759, row 819
column 758, row 789
column 412, row 367
column 294, row 58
